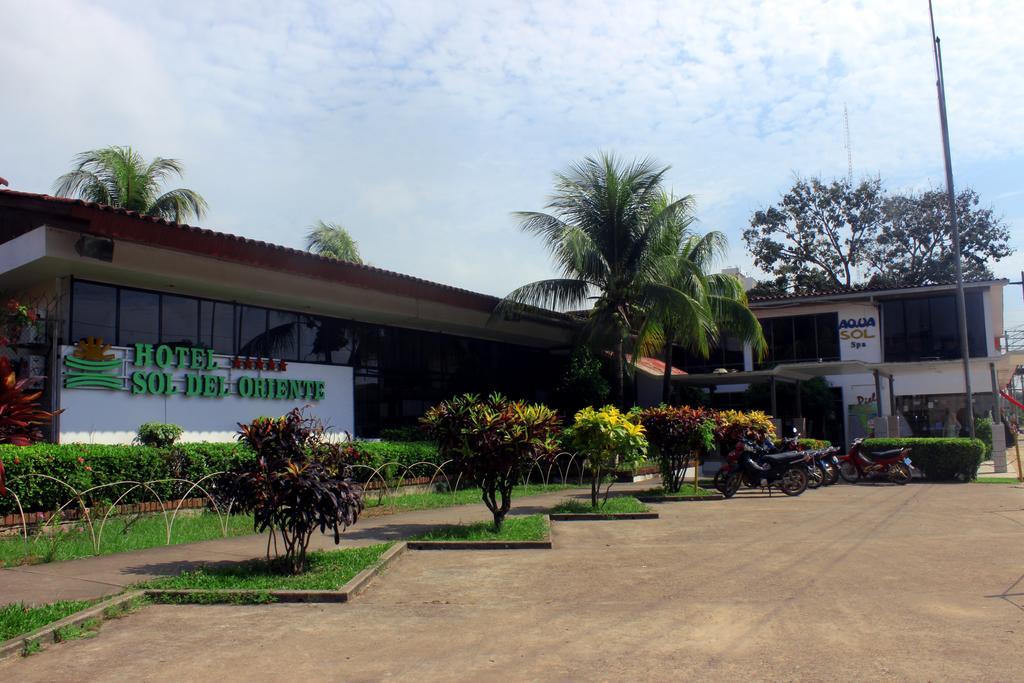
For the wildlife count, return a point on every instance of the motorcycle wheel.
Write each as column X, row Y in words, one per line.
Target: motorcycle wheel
column 848, row 471
column 720, row 479
column 831, row 474
column 815, row 477
column 732, row 484
column 899, row 473
column 794, row 481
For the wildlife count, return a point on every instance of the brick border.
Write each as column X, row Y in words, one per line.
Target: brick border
column 599, row 516
column 16, row 645
column 353, row 587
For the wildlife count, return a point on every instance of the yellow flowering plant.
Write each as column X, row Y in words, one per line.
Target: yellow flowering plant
column 608, row 439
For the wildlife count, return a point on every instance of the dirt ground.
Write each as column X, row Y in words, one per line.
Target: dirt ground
column 922, row 582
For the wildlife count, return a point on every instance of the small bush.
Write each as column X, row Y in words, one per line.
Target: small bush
column 402, row 434
column 492, row 441
column 983, row 431
column 814, row 444
column 939, row 459
column 678, row 436
column 158, row 434
column 608, row 439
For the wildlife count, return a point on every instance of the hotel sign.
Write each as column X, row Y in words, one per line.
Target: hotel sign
column 858, row 331
column 162, row 370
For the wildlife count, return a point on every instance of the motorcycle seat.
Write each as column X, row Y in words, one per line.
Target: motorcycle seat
column 892, row 453
column 786, row 456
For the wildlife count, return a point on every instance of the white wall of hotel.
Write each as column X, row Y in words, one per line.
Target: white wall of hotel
column 113, row 416
column 863, row 343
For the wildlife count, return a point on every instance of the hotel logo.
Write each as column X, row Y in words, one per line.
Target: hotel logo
column 90, row 366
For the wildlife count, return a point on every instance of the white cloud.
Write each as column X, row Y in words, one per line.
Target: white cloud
column 422, row 125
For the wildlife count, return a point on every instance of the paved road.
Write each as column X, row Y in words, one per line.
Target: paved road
column 847, row 583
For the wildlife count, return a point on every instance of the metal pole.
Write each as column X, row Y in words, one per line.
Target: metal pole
column 951, row 199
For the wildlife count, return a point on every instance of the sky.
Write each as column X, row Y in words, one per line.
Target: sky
column 421, row 126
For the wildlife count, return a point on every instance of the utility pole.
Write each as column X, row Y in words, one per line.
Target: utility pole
column 954, row 227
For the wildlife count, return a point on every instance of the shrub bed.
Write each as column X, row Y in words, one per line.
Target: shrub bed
column 939, row 459
column 814, row 444
column 87, row 465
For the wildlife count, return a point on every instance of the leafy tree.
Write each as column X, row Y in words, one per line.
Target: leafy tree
column 493, row 442
column 121, row 177
column 678, row 436
column 607, row 438
column 914, row 246
column 584, row 382
column 818, row 233
column 607, row 231
column 289, row 489
column 723, row 302
column 330, row 239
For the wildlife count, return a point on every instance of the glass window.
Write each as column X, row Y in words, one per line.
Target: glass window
column 977, row 340
column 139, row 319
column 916, row 317
column 282, row 335
column 217, row 326
column 804, row 346
column 782, row 339
column 94, row 312
column 827, row 335
column 252, row 337
column 179, row 320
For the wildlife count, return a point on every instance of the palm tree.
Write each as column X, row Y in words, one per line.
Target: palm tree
column 687, row 269
column 330, row 239
column 608, row 232
column 120, row 176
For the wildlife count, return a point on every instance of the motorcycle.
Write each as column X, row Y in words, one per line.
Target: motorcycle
column 893, row 465
column 749, row 465
column 827, row 463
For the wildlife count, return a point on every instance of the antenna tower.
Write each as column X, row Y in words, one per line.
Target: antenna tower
column 849, row 151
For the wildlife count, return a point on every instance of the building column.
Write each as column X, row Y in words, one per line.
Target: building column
column 998, row 431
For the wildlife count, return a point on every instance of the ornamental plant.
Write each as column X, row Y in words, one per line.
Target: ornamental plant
column 158, row 434
column 678, row 436
column 608, row 439
column 20, row 414
column 733, row 425
column 288, row 488
column 492, row 442
column 15, row 318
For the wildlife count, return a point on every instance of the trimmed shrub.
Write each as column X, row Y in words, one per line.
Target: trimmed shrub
column 678, row 436
column 939, row 459
column 608, row 439
column 983, row 431
column 159, row 434
column 402, row 434
column 813, row 444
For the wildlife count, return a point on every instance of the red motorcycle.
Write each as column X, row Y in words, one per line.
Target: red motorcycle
column 893, row 465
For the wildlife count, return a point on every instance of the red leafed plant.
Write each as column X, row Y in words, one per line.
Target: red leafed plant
column 20, row 414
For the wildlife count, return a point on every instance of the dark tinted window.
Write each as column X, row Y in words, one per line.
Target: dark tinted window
column 179, row 318
column 282, row 335
column 217, row 326
column 94, row 312
column 925, row 328
column 139, row 320
column 827, row 335
column 252, row 335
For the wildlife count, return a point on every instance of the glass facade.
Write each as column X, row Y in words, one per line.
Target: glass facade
column 940, row 415
column 727, row 353
column 399, row 372
column 800, row 339
column 925, row 328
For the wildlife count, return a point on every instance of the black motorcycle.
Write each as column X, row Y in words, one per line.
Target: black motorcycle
column 828, row 463
column 786, row 471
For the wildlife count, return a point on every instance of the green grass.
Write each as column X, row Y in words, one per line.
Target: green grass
column 996, row 480
column 615, row 504
column 119, row 535
column 530, row 528
column 465, row 496
column 328, row 570
column 16, row 619
column 87, row 629
column 122, row 535
column 685, row 490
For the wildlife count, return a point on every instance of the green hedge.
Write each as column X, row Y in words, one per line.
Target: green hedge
column 814, row 444
column 87, row 465
column 939, row 459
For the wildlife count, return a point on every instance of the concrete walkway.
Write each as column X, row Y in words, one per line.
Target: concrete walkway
column 95, row 577
column 858, row 583
column 987, row 468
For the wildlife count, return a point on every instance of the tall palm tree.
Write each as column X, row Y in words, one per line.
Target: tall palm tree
column 608, row 231
column 687, row 267
column 120, row 176
column 330, row 239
